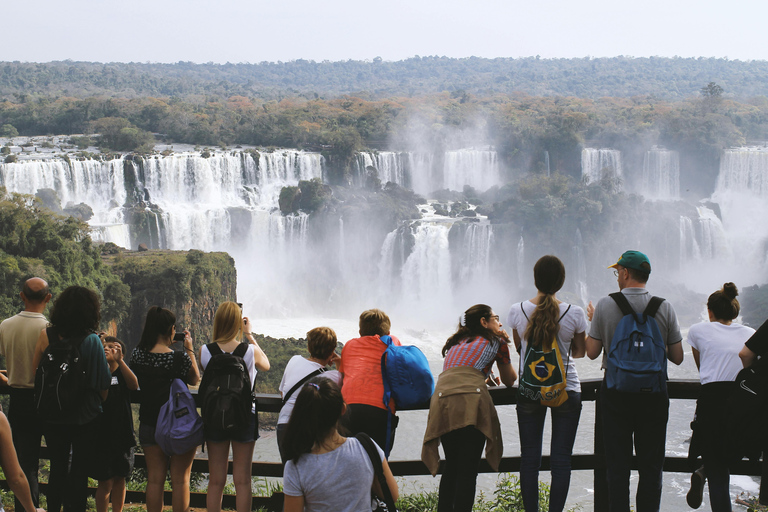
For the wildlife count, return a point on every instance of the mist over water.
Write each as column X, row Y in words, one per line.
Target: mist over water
column 297, row 271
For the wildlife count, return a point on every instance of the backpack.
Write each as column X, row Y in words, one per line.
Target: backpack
column 227, row 394
column 543, row 374
column 637, row 358
column 179, row 427
column 407, row 379
column 60, row 379
column 747, row 412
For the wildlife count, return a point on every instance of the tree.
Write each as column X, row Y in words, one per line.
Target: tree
column 120, row 135
column 8, row 130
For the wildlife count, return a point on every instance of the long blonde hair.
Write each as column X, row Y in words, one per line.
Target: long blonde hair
column 543, row 326
column 228, row 322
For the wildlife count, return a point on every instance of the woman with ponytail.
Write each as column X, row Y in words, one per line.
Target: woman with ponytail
column 548, row 328
column 326, row 471
column 716, row 345
column 461, row 413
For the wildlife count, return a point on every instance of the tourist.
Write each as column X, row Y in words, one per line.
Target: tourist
column 321, row 344
column 156, row 365
column 545, row 327
column 461, row 398
column 638, row 416
column 229, row 326
column 115, row 439
column 716, row 345
column 69, row 434
column 363, row 383
column 18, row 338
column 326, row 471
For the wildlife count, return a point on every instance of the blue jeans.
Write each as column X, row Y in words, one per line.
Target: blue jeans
column 530, row 422
column 641, row 418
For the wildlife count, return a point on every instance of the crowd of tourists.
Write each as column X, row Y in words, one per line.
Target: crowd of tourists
column 70, row 383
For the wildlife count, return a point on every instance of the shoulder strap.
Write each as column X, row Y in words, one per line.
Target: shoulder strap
column 623, row 303
column 653, row 306
column 378, row 469
column 241, row 350
column 214, row 349
column 564, row 313
column 299, row 384
column 523, row 310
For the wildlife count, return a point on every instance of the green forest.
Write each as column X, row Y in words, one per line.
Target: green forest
column 623, row 76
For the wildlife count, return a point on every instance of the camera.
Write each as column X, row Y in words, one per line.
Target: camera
column 179, row 336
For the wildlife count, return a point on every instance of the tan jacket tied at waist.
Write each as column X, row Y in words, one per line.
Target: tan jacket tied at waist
column 461, row 399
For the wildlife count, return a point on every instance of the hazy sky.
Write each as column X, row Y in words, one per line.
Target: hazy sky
column 255, row 31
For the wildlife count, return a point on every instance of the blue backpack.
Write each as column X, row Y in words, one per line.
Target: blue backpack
column 407, row 379
column 179, row 427
column 637, row 358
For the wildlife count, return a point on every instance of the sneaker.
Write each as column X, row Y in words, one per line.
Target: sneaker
column 696, row 495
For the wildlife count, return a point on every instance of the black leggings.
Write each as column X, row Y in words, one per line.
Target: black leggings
column 463, row 451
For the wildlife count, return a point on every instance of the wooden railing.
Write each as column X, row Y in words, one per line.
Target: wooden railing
column 595, row 462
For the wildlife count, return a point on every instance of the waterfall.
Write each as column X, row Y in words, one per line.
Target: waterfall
column 689, row 247
column 389, row 165
column 546, row 162
column 197, row 196
column 478, row 168
column 661, row 174
column 426, row 274
column 596, row 162
column 475, row 252
column 581, row 268
column 520, row 261
column 420, row 168
column 741, row 192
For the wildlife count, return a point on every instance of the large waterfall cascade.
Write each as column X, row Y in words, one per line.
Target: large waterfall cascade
column 661, row 174
column 229, row 202
column 742, row 194
column 595, row 161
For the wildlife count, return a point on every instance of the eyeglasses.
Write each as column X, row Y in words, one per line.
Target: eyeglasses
column 616, row 273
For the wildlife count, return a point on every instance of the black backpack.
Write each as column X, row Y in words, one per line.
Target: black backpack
column 227, row 396
column 60, row 378
column 746, row 415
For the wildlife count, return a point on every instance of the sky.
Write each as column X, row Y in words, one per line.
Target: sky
column 284, row 30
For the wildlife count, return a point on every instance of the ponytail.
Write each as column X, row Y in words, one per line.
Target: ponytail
column 471, row 327
column 315, row 415
column 549, row 276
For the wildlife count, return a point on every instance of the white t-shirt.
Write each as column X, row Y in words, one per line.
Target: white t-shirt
column 575, row 321
column 248, row 358
column 297, row 368
column 719, row 347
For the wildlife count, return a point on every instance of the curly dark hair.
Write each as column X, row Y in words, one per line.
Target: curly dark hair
column 76, row 311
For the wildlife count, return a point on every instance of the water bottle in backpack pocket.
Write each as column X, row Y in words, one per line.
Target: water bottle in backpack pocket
column 637, row 357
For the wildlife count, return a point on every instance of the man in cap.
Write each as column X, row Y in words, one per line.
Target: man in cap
column 627, row 416
column 18, row 337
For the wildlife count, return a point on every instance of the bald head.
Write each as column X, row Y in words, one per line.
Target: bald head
column 35, row 294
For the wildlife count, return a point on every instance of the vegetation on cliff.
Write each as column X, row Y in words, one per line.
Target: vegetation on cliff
column 36, row 242
column 192, row 284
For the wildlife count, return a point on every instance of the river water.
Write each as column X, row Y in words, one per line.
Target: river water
column 413, row 423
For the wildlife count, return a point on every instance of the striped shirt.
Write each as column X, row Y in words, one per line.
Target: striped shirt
column 478, row 353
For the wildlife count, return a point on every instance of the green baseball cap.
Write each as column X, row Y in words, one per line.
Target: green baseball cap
column 635, row 260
